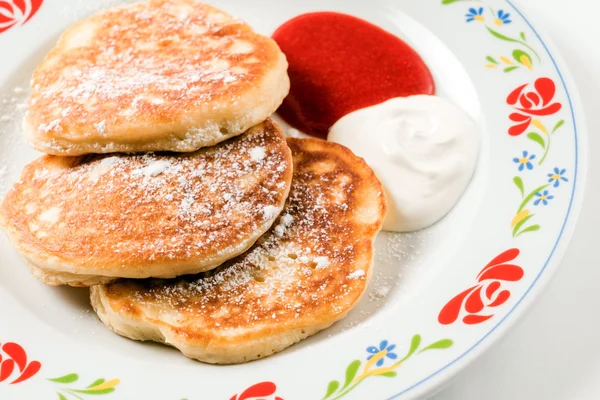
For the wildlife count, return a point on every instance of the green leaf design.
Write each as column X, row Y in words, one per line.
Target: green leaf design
column 532, row 228
column 558, row 125
column 103, row 391
column 518, row 56
column 491, row 59
column 414, row 345
column 335, row 393
column 510, row 69
column 351, row 372
column 531, row 196
column 96, row 383
column 536, row 137
column 440, row 344
column 500, row 36
column 70, row 378
column 331, row 388
column 520, row 224
column 509, row 39
column 523, row 36
column 519, row 183
column 61, row 396
column 450, row 1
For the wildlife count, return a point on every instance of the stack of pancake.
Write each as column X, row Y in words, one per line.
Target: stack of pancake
column 168, row 190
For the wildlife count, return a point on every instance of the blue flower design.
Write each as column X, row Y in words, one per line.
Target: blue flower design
column 382, row 346
column 524, row 161
column 557, row 176
column 502, row 18
column 475, row 15
column 542, row 198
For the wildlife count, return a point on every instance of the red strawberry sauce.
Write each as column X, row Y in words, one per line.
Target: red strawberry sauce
column 339, row 64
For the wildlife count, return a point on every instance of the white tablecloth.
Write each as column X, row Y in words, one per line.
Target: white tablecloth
column 554, row 351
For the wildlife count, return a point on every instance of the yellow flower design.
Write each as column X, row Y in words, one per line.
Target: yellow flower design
column 106, row 385
column 519, row 217
column 526, row 61
column 538, row 124
column 96, row 388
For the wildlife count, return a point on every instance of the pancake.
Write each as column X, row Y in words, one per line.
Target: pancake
column 88, row 220
column 306, row 273
column 167, row 75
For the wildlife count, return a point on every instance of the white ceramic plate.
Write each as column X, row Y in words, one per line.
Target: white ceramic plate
column 438, row 297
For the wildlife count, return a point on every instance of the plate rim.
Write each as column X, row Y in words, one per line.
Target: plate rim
column 444, row 375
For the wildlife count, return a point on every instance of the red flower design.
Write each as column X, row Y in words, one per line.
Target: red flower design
column 486, row 294
column 17, row 12
column 260, row 391
column 532, row 103
column 16, row 357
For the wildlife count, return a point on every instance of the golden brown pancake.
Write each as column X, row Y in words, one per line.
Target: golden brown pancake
column 164, row 75
column 90, row 219
column 306, row 273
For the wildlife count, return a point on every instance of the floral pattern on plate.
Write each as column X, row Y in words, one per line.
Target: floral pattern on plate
column 13, row 355
column 476, row 303
column 374, row 365
column 15, row 13
column 534, row 110
column 259, row 391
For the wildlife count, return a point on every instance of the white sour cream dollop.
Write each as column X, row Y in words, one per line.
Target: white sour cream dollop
column 423, row 149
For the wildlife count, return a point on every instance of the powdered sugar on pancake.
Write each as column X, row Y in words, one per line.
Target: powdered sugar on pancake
column 158, row 207
column 140, row 66
column 311, row 259
column 257, row 154
column 167, row 72
column 357, row 274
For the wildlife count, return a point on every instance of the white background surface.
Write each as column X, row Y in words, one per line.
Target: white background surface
column 553, row 352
